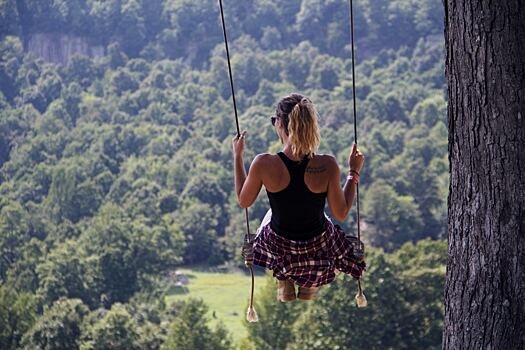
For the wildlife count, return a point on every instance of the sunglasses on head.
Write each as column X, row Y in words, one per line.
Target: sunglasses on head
column 273, row 119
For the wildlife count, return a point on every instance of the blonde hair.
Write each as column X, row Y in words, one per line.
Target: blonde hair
column 300, row 124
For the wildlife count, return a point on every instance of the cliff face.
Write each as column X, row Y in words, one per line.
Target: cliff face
column 58, row 48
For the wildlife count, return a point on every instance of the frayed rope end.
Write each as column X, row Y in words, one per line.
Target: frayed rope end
column 251, row 315
column 361, row 299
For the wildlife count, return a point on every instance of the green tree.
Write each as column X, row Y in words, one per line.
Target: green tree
column 115, row 56
column 82, row 70
column 325, row 24
column 422, row 267
column 132, row 27
column 72, row 194
column 121, row 81
column 115, row 330
column 65, row 272
column 58, row 328
column 198, row 222
column 17, row 315
column 11, row 57
column 429, row 17
column 324, row 72
column 9, row 19
column 22, row 275
column 71, row 95
column 276, row 319
column 189, row 331
column 395, row 218
column 124, row 253
column 429, row 111
column 296, row 67
column 14, row 232
column 74, row 14
column 190, row 20
column 105, row 16
column 116, row 254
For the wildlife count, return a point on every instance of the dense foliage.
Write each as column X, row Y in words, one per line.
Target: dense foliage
column 116, row 170
column 404, row 289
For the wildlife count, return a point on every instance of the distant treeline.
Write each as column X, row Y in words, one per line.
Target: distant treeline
column 172, row 29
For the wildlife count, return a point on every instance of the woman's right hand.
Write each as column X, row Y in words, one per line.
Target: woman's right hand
column 356, row 159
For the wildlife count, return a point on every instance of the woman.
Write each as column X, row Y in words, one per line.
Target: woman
column 298, row 241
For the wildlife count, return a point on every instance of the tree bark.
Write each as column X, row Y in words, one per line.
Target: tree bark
column 485, row 279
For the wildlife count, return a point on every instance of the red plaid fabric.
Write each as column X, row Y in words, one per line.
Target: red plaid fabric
column 311, row 263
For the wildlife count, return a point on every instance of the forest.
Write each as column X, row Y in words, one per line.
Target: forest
column 117, row 170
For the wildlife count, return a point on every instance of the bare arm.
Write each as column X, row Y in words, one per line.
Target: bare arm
column 239, row 173
column 247, row 187
column 340, row 200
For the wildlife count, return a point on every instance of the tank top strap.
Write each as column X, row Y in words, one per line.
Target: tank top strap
column 296, row 169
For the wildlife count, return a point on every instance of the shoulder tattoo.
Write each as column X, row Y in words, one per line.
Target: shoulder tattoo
column 316, row 170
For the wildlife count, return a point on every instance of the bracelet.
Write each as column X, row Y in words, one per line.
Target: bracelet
column 353, row 178
column 352, row 171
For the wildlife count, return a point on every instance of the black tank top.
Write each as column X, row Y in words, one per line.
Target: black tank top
column 297, row 212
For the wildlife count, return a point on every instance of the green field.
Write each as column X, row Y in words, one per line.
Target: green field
column 226, row 294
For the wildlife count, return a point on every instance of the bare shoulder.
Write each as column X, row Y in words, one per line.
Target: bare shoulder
column 322, row 163
column 262, row 164
column 327, row 160
column 263, row 160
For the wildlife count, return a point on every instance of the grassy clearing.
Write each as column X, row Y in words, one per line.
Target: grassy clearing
column 226, row 294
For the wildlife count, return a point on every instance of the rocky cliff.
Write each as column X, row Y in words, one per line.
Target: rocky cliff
column 58, row 48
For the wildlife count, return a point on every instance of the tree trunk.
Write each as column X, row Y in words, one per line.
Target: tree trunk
column 485, row 281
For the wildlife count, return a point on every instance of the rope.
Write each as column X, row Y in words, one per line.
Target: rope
column 248, row 236
column 354, row 110
column 360, row 297
column 229, row 69
column 233, row 99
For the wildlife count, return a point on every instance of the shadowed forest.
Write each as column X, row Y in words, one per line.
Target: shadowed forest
column 116, row 167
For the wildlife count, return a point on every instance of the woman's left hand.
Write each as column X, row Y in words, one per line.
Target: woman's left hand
column 238, row 144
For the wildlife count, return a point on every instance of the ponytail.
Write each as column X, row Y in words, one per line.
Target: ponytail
column 303, row 128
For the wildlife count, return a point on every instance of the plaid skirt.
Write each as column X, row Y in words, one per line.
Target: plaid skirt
column 310, row 263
